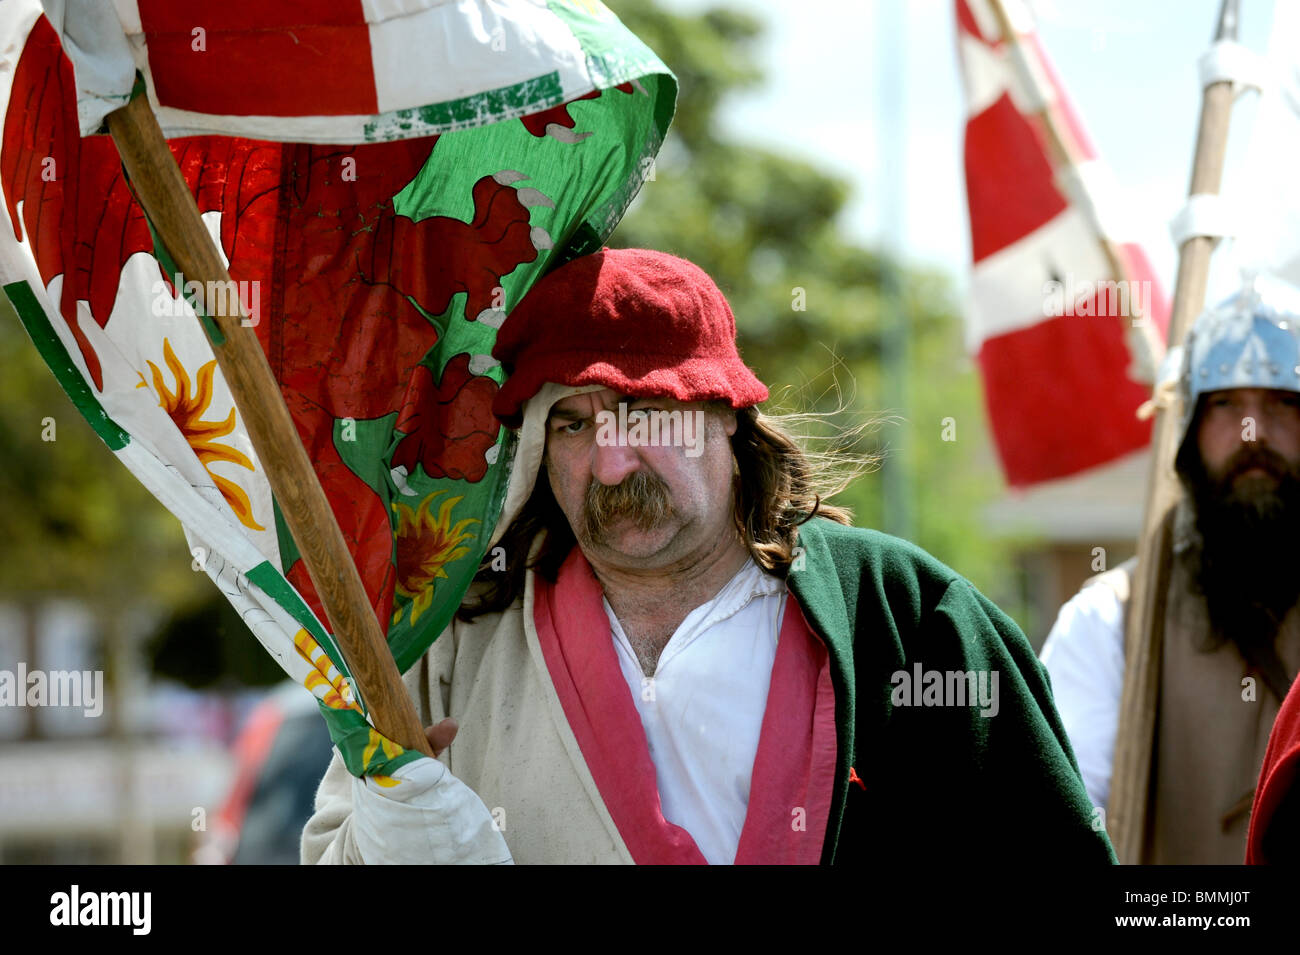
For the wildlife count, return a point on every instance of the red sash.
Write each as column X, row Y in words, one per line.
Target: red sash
column 794, row 769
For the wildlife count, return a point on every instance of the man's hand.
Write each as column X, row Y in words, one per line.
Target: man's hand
column 441, row 735
column 424, row 814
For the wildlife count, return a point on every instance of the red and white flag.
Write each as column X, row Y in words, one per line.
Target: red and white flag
column 1066, row 333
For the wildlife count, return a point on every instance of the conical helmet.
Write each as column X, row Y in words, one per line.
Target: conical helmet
column 1250, row 340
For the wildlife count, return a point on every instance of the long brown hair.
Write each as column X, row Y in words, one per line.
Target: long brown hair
column 778, row 482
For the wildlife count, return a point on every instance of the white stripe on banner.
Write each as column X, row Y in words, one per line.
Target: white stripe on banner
column 423, row 53
column 474, row 47
column 985, row 74
column 1010, row 288
column 988, row 73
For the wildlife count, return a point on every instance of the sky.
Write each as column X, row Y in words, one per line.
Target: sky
column 1129, row 66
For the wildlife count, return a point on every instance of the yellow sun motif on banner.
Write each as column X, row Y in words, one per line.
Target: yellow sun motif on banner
column 333, row 687
column 390, row 750
column 425, row 545
column 187, row 410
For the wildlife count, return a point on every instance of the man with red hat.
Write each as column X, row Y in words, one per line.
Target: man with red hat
column 689, row 655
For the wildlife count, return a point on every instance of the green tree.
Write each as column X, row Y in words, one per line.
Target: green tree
column 74, row 521
column 77, row 524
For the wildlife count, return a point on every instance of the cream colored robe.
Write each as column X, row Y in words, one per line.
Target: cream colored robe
column 530, row 772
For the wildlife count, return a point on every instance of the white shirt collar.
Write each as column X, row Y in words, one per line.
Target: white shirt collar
column 748, row 583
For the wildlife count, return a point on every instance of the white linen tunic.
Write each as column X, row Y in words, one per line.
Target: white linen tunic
column 702, row 711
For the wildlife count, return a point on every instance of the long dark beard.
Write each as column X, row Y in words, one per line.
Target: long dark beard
column 1246, row 562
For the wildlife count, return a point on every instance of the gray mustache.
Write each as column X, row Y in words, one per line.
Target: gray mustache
column 642, row 498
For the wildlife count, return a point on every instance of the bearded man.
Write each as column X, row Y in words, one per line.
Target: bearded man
column 1231, row 638
column 689, row 656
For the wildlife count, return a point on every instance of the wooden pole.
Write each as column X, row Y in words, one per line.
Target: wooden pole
column 1135, row 739
column 171, row 208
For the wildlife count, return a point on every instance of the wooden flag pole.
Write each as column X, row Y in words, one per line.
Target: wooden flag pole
column 1143, row 639
column 171, row 208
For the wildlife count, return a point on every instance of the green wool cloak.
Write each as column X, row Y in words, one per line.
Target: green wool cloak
column 938, row 781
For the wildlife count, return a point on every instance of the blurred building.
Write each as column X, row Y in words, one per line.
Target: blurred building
column 1069, row 530
column 131, row 771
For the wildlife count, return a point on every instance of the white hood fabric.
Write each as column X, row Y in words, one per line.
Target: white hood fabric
column 528, row 452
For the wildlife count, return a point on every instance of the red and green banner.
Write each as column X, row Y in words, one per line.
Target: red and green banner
column 384, row 186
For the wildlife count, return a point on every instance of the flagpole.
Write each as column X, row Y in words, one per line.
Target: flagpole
column 1143, row 639
column 162, row 191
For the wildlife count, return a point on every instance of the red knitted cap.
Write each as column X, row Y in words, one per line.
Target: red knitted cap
column 640, row 322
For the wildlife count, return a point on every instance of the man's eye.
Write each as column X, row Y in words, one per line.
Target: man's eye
column 572, row 427
column 638, row 414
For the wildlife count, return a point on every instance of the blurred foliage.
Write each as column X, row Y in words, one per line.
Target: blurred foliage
column 764, row 225
column 75, row 522
column 73, row 519
column 225, row 650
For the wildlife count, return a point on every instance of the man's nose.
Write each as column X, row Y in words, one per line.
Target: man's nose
column 613, row 462
column 1257, row 422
